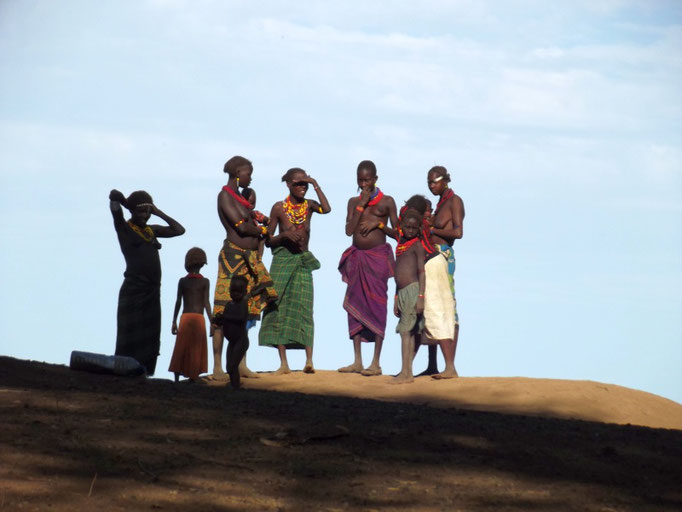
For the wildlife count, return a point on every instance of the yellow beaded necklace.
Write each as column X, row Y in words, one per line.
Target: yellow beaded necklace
column 145, row 233
column 296, row 213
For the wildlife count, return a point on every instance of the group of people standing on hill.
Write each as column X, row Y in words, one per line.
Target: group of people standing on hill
column 423, row 270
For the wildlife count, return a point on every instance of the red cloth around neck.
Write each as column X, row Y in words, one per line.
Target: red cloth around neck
column 238, row 197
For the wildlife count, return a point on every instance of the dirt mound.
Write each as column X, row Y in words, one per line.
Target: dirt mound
column 78, row 441
column 568, row 399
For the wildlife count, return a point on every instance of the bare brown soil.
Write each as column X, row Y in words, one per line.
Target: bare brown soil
column 81, row 442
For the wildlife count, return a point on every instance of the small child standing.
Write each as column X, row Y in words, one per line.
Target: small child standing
column 410, row 283
column 190, row 356
column 233, row 322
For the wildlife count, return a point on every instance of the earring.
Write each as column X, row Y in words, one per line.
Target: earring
column 237, row 180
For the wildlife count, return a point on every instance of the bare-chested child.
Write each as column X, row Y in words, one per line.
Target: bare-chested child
column 410, row 284
column 232, row 322
column 367, row 265
column 288, row 322
column 250, row 195
column 190, row 356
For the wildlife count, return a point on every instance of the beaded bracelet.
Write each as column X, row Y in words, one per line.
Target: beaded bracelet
column 360, row 208
column 264, row 230
column 381, row 225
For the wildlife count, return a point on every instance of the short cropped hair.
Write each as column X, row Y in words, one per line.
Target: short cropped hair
column 411, row 213
column 369, row 165
column 418, row 202
column 289, row 175
column 239, row 280
column 246, row 193
column 195, row 257
column 235, row 162
column 441, row 171
column 138, row 197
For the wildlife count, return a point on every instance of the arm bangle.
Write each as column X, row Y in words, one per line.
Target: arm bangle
column 239, row 223
column 360, row 208
column 420, row 296
column 381, row 225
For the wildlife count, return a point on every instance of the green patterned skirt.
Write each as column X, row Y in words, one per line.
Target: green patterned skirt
column 289, row 320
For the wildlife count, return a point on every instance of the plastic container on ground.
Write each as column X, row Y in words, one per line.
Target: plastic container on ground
column 101, row 363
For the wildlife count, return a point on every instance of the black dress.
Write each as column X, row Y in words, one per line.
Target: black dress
column 138, row 330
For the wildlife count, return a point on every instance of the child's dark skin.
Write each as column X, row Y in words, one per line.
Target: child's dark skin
column 193, row 295
column 264, row 221
column 409, row 268
column 233, row 322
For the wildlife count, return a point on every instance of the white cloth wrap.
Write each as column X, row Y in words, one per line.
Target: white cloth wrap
column 439, row 305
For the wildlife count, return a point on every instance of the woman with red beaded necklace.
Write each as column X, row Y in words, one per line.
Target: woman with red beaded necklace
column 367, row 265
column 288, row 322
column 239, row 256
column 447, row 221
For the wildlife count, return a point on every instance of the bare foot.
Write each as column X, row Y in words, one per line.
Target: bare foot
column 447, row 374
column 245, row 373
column 401, row 378
column 371, row 371
column 282, row 370
column 308, row 369
column 219, row 375
column 353, row 368
column 429, row 371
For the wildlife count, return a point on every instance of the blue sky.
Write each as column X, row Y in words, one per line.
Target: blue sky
column 560, row 125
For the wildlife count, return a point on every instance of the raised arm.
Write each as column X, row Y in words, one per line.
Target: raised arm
column 354, row 212
column 324, row 203
column 174, row 228
column 116, row 200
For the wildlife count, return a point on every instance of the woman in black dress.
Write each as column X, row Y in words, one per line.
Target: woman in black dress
column 139, row 301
